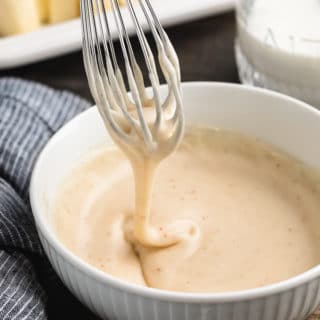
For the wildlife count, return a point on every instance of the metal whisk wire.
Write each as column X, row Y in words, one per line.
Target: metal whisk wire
column 107, row 83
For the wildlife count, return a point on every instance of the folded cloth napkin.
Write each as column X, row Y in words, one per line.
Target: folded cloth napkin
column 29, row 114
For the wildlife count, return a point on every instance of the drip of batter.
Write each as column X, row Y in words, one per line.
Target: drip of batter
column 137, row 226
column 145, row 159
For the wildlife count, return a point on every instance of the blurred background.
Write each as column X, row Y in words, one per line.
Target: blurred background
column 205, row 47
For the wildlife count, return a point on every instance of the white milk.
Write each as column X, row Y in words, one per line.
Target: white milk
column 279, row 46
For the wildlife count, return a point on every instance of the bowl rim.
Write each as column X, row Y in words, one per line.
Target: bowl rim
column 185, row 297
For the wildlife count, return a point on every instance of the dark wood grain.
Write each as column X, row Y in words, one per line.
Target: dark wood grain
column 205, row 49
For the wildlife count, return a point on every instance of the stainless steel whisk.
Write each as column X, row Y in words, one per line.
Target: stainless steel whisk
column 123, row 112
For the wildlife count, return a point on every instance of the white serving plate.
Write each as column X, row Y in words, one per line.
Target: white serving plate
column 58, row 39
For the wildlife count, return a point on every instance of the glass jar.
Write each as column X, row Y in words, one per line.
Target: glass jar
column 278, row 46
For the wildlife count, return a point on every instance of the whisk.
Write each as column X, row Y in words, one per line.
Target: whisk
column 124, row 113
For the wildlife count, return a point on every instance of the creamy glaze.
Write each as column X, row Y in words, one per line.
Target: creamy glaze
column 147, row 129
column 256, row 213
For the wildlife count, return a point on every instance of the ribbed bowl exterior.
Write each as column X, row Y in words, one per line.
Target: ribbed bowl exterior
column 113, row 303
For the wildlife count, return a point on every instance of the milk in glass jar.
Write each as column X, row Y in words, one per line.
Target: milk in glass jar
column 278, row 46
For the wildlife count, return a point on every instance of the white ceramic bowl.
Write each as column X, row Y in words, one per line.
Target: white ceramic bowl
column 287, row 123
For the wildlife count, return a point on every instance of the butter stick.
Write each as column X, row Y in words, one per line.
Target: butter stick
column 43, row 9
column 18, row 16
column 62, row 10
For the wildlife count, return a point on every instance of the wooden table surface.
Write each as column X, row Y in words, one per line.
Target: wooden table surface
column 205, row 49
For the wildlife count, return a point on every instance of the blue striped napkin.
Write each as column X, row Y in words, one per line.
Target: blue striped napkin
column 29, row 114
